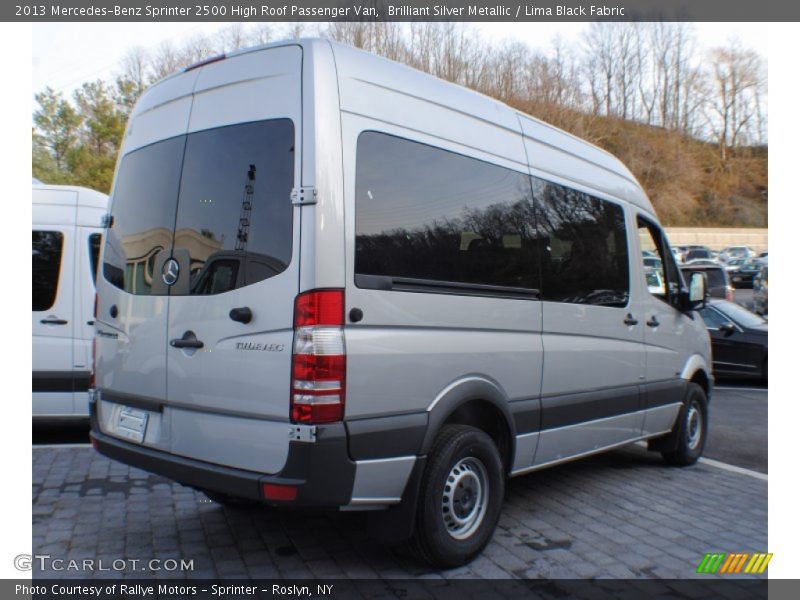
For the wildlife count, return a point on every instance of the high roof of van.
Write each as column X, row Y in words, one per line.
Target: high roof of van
column 567, row 156
column 84, row 197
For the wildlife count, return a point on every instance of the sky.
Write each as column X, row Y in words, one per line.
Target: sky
column 66, row 55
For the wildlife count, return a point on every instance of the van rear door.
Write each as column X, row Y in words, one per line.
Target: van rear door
column 131, row 324
column 231, row 305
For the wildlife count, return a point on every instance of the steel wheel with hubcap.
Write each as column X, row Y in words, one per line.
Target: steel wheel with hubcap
column 460, row 497
column 464, row 498
column 691, row 429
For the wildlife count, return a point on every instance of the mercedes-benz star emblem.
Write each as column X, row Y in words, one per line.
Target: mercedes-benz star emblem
column 169, row 273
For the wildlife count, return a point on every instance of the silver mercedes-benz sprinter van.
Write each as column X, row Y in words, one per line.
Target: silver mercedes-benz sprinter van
column 332, row 280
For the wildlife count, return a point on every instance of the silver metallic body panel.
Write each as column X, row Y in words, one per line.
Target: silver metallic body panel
column 381, row 482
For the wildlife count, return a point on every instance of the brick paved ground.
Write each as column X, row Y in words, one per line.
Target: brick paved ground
column 619, row 515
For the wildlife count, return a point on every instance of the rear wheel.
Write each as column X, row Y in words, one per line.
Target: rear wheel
column 691, row 428
column 460, row 497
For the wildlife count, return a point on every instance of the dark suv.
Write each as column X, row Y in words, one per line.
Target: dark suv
column 719, row 285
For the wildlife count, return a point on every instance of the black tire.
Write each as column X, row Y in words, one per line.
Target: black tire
column 691, row 428
column 234, row 502
column 461, row 463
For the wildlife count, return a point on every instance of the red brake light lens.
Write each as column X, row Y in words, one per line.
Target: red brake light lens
column 318, row 358
column 321, row 307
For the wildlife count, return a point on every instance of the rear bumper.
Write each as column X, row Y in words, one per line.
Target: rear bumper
column 321, row 471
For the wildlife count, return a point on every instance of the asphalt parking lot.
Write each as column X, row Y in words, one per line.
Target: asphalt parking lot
column 618, row 515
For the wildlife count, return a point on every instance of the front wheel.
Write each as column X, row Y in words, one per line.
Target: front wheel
column 460, row 497
column 691, row 428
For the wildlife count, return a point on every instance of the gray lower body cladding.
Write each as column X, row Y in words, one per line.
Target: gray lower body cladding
column 321, row 471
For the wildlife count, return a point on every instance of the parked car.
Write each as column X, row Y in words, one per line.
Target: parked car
column 66, row 244
column 733, row 264
column 744, row 275
column 735, row 252
column 697, row 253
column 761, row 290
column 738, row 339
column 681, row 252
column 702, row 262
column 652, row 262
column 409, row 345
column 719, row 285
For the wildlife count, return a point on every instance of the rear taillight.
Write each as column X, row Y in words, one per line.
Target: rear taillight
column 318, row 358
column 729, row 294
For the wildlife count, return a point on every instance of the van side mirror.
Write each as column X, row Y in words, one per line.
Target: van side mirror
column 695, row 298
column 727, row 328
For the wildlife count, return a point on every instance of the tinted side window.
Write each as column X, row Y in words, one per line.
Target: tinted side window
column 585, row 250
column 47, row 247
column 94, row 253
column 143, row 211
column 235, row 214
column 424, row 214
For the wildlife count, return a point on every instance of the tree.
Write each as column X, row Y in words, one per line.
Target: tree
column 738, row 77
column 57, row 125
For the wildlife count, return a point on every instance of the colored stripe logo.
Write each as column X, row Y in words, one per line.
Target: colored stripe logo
column 740, row 562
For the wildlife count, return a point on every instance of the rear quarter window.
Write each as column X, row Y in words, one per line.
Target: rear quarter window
column 47, row 246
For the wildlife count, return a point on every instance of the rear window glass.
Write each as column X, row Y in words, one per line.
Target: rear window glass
column 47, row 247
column 234, row 222
column 143, row 215
column 217, row 201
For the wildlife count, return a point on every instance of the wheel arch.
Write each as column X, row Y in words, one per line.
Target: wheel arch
column 696, row 371
column 478, row 402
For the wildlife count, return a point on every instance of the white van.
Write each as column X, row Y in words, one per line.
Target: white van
column 332, row 280
column 67, row 233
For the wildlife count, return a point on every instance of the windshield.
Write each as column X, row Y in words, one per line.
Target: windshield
column 739, row 314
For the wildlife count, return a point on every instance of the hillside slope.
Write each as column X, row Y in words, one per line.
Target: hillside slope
column 685, row 178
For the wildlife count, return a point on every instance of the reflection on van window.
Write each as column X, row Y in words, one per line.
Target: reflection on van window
column 47, row 247
column 425, row 213
column 234, row 213
column 585, row 251
column 143, row 210
column 234, row 207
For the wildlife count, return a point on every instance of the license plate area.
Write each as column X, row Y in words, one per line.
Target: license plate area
column 132, row 424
